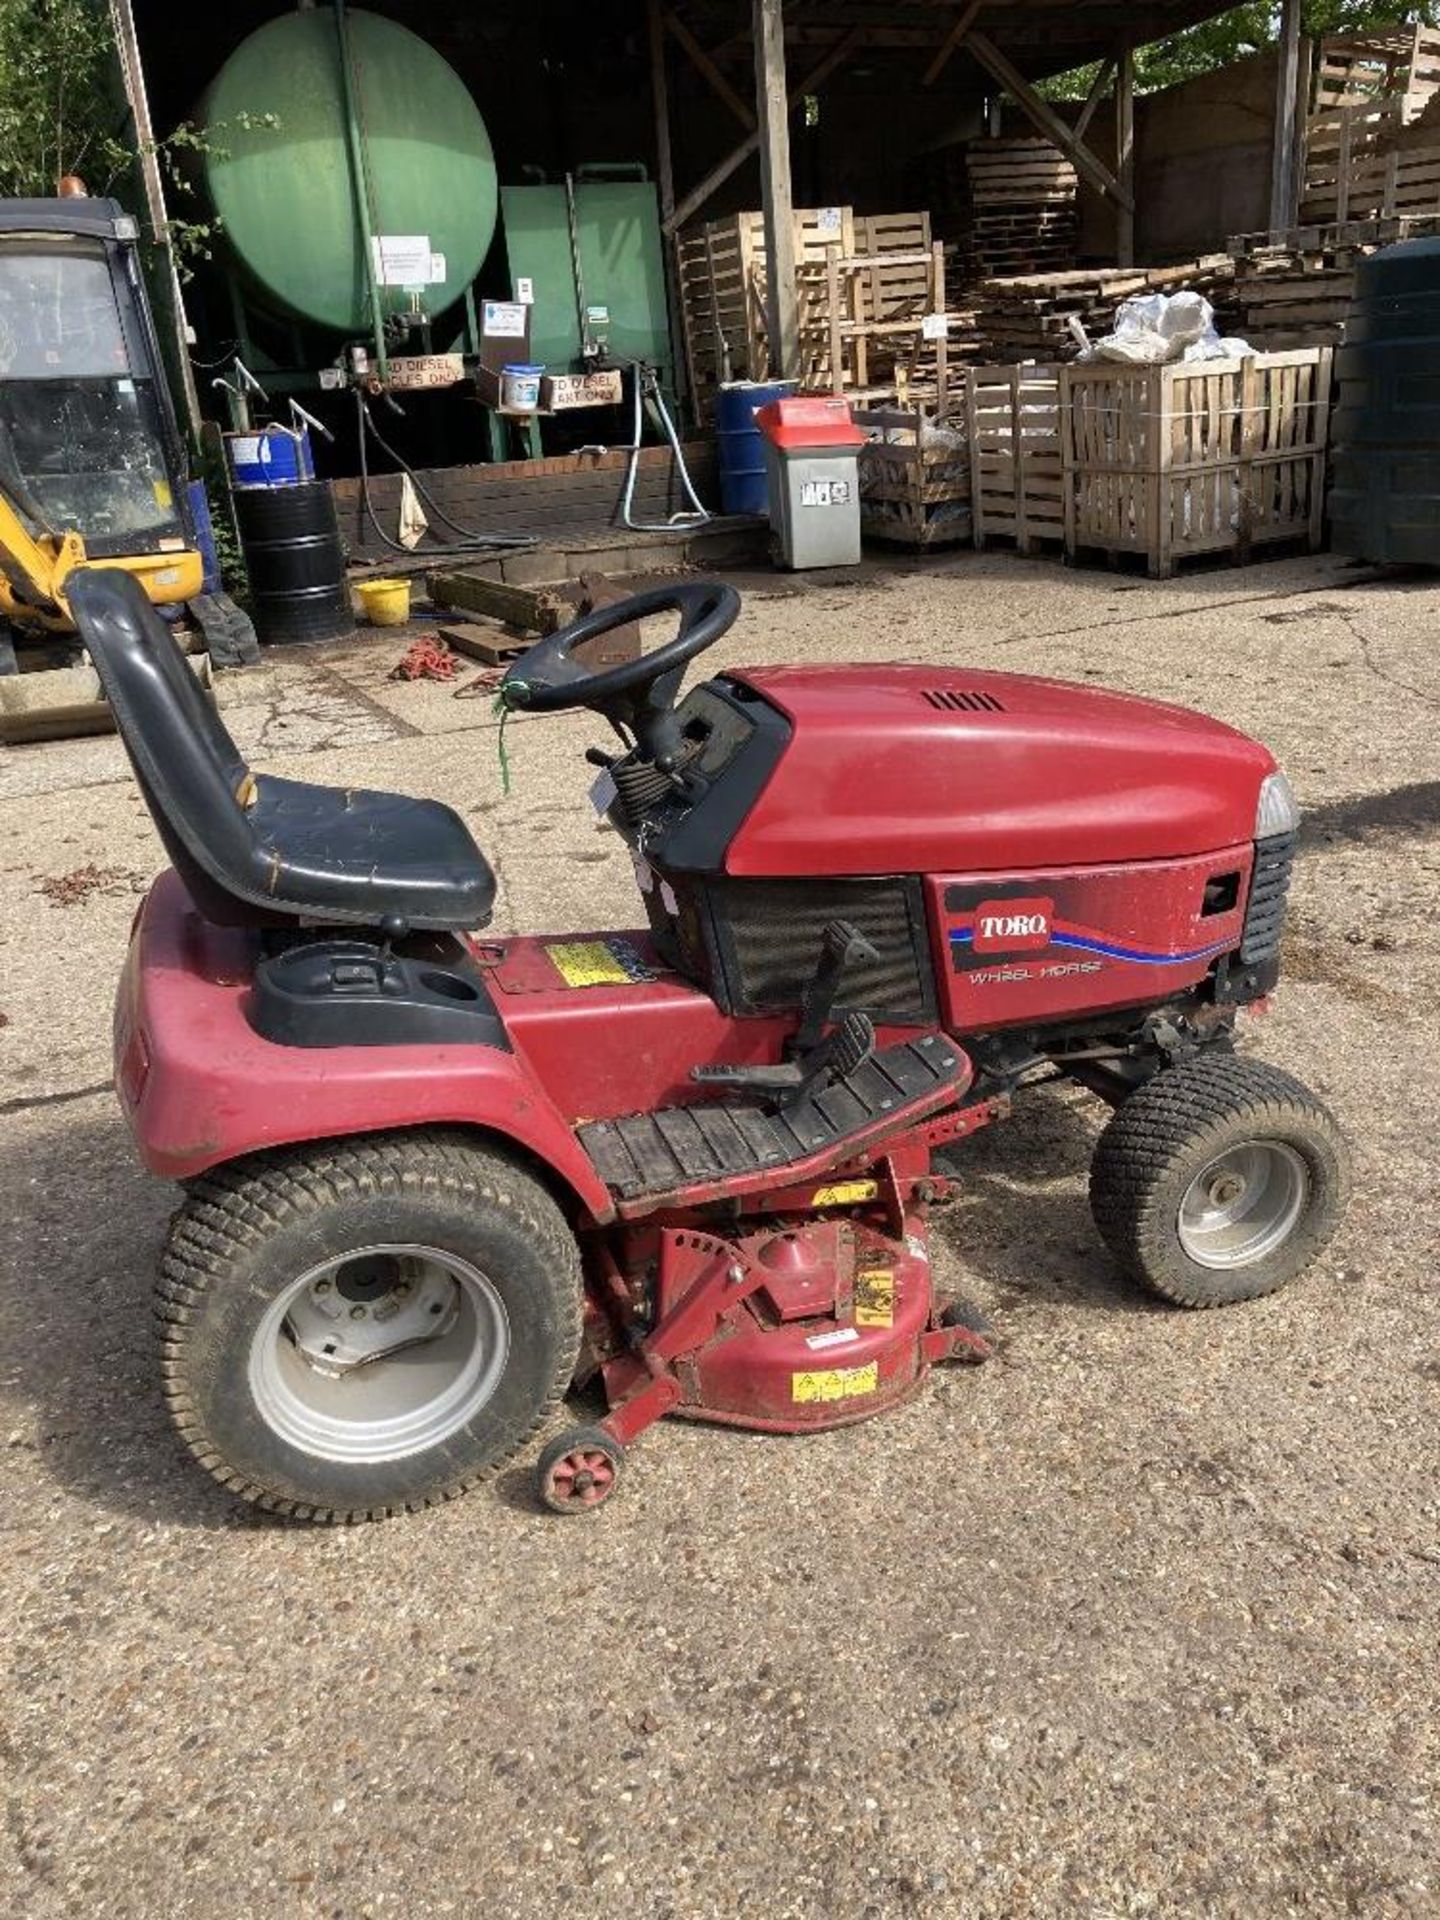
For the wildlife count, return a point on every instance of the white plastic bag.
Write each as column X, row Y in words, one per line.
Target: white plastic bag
column 1152, row 329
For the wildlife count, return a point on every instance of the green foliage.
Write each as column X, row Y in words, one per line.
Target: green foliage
column 62, row 111
column 1242, row 31
column 57, row 106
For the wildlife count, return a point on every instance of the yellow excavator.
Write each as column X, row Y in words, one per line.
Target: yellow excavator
column 92, row 466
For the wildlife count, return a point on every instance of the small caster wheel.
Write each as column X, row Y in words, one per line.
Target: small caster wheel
column 975, row 1337
column 579, row 1470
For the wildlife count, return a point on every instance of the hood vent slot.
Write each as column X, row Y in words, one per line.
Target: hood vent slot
column 962, row 700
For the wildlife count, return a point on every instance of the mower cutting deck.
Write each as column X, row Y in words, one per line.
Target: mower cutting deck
column 433, row 1179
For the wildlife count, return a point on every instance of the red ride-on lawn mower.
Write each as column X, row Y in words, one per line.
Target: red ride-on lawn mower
column 432, row 1179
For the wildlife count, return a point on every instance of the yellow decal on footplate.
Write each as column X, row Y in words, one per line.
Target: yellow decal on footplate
column 597, row 963
column 875, row 1298
column 835, row 1383
column 848, row 1193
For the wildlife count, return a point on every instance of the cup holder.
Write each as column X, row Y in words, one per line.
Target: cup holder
column 449, row 985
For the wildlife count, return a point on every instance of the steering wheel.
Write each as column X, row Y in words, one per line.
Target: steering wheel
column 638, row 694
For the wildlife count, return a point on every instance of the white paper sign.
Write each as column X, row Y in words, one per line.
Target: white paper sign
column 437, row 269
column 401, row 259
column 824, row 493
column 935, row 326
column 503, row 320
column 525, row 291
column 829, row 219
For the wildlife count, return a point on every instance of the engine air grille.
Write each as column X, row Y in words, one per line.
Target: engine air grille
column 962, row 700
column 769, row 934
column 1265, row 910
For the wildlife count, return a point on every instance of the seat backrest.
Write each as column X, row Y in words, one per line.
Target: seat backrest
column 190, row 771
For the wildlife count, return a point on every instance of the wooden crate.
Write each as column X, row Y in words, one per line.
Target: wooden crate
column 914, row 478
column 1213, row 457
column 862, row 324
column 722, row 269
column 1372, row 143
column 1403, row 64
column 1016, row 471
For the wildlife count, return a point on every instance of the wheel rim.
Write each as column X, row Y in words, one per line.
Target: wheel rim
column 380, row 1353
column 582, row 1478
column 1243, row 1205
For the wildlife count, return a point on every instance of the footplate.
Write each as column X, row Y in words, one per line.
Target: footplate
column 729, row 1145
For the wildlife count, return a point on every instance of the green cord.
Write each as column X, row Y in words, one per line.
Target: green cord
column 502, row 707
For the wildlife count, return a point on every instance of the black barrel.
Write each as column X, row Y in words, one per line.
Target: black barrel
column 291, row 541
column 1385, row 435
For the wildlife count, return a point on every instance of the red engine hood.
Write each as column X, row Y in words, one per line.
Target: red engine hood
column 930, row 770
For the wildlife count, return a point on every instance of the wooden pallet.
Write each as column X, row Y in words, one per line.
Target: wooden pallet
column 1030, row 172
column 1016, row 469
column 914, row 478
column 1177, row 461
column 1351, row 69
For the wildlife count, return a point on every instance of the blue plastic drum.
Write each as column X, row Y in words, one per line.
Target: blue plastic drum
column 743, row 485
column 269, row 457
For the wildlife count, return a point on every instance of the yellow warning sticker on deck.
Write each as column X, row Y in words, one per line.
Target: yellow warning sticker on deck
column 875, row 1298
column 835, row 1383
column 598, row 963
column 846, row 1193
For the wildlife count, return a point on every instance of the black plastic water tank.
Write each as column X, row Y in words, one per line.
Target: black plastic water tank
column 1385, row 435
column 291, row 541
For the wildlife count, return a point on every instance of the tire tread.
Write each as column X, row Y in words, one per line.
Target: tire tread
column 230, row 1212
column 1160, row 1122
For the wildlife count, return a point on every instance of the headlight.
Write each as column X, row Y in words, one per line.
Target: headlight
column 1276, row 811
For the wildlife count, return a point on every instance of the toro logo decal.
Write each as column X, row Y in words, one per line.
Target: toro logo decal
column 1012, row 926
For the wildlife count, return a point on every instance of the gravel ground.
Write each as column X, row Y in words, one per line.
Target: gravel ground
column 1139, row 1619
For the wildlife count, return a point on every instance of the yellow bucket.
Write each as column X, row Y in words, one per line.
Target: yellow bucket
column 385, row 603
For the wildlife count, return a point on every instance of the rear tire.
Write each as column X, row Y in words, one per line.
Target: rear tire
column 364, row 1327
column 1218, row 1181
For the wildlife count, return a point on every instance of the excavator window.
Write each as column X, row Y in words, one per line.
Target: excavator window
column 81, row 435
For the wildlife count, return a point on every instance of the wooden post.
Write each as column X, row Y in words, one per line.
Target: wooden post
column 680, row 357
column 660, row 95
column 122, row 20
column 1283, row 197
column 964, row 20
column 1125, row 155
column 1044, row 116
column 773, row 112
column 737, row 156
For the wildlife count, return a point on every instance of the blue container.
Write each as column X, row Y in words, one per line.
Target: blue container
column 270, row 457
column 743, row 485
column 204, row 535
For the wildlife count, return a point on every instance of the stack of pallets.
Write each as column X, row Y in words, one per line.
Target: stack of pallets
column 1029, row 317
column 1023, row 211
column 1294, row 289
column 1372, row 145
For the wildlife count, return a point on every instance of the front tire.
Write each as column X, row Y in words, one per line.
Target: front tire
column 1218, row 1181
column 359, row 1328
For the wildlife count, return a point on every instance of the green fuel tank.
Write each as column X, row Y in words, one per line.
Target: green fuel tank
column 315, row 172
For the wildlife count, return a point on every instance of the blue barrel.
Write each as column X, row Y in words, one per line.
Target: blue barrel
column 743, row 485
column 204, row 535
column 269, row 457
column 1385, row 429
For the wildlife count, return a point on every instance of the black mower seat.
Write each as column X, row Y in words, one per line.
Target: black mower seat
column 252, row 849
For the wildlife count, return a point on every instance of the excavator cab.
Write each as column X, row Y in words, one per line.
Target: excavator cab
column 92, row 465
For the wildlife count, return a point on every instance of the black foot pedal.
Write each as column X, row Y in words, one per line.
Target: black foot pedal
column 836, row 1058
